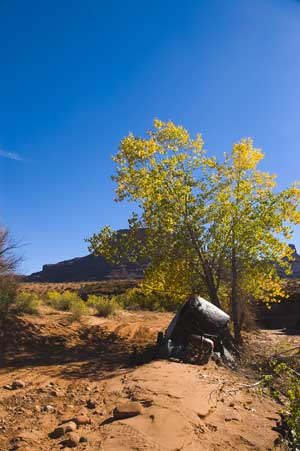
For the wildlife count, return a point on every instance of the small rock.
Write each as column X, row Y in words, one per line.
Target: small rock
column 61, row 430
column 48, row 409
column 127, row 410
column 71, row 441
column 54, row 393
column 71, row 426
column 17, row 384
column 58, row 432
column 83, row 439
column 82, row 420
column 7, row 387
column 91, row 404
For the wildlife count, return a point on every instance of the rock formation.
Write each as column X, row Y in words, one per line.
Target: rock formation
column 86, row 268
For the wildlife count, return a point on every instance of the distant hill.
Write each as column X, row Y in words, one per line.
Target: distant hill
column 87, row 268
column 91, row 268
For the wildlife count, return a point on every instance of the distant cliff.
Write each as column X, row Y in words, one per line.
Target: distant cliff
column 91, row 268
column 86, row 268
column 295, row 266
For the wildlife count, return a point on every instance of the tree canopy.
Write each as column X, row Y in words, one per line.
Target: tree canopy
column 204, row 226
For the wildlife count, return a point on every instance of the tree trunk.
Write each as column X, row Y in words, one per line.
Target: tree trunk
column 207, row 276
column 212, row 290
column 234, row 296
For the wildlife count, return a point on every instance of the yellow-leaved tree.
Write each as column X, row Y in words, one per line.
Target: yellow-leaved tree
column 216, row 228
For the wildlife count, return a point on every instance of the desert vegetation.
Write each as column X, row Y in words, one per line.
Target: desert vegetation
column 76, row 296
column 83, row 289
column 8, row 284
column 26, row 303
column 209, row 226
column 104, row 306
column 274, row 360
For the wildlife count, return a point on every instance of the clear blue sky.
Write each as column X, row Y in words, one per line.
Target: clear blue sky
column 76, row 76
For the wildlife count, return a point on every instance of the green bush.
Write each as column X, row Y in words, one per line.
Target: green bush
column 292, row 416
column 62, row 301
column 284, row 386
column 137, row 299
column 8, row 293
column 68, row 301
column 77, row 308
column 289, row 378
column 104, row 306
column 27, row 303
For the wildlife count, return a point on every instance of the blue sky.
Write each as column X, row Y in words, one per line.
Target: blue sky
column 77, row 76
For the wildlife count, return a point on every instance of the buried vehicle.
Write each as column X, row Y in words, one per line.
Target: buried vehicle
column 198, row 331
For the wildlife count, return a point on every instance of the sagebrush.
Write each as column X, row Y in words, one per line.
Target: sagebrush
column 27, row 303
column 104, row 306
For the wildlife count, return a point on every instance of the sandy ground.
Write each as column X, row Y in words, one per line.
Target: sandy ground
column 89, row 368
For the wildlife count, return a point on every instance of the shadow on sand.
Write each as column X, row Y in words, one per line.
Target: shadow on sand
column 89, row 352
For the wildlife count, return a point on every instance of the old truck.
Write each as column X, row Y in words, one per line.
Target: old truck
column 198, row 331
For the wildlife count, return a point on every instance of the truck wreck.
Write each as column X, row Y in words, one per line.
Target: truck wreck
column 198, row 331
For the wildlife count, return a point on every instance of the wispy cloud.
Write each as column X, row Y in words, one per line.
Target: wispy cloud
column 10, row 155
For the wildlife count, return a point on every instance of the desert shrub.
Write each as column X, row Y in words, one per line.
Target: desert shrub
column 61, row 301
column 8, row 293
column 283, row 385
column 137, row 299
column 286, row 380
column 292, row 414
column 104, row 306
column 27, row 303
column 78, row 308
column 68, row 301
